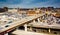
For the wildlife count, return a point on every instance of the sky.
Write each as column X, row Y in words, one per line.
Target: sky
column 29, row 3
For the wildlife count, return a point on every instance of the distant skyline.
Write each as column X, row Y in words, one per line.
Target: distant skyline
column 29, row 3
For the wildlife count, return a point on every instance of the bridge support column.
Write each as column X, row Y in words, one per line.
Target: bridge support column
column 38, row 20
column 34, row 21
column 25, row 27
column 6, row 34
column 49, row 30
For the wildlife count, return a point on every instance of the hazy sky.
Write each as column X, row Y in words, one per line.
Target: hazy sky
column 29, row 3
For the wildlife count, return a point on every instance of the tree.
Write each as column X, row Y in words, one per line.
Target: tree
column 5, row 8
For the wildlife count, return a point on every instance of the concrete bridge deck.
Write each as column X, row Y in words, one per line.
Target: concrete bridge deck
column 44, row 25
column 21, row 32
column 19, row 23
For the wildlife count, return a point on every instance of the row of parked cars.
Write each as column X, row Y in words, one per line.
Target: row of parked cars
column 8, row 18
column 51, row 19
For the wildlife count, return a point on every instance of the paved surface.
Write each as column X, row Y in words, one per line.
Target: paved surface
column 21, row 32
column 18, row 23
column 44, row 25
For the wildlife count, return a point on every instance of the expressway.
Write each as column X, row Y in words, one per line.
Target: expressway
column 18, row 23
